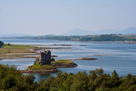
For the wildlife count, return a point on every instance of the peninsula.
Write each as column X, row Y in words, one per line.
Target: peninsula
column 12, row 51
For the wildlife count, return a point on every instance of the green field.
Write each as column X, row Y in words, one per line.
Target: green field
column 16, row 49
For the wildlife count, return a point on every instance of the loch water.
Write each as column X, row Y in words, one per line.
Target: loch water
column 111, row 56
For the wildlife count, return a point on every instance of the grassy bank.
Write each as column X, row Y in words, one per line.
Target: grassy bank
column 16, row 49
column 87, row 58
column 64, row 61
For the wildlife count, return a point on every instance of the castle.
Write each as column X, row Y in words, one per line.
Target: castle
column 45, row 57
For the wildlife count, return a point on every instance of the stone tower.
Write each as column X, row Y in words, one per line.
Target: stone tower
column 45, row 57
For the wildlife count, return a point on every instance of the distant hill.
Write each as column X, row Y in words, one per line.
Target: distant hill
column 77, row 32
column 131, row 30
column 106, row 31
column 84, row 32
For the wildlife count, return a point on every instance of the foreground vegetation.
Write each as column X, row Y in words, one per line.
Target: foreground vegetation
column 12, row 79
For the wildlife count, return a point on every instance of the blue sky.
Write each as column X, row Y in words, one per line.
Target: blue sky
column 59, row 16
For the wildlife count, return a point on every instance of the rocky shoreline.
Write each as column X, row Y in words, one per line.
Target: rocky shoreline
column 39, row 72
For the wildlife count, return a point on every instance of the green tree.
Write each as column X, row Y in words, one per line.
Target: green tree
column 114, row 75
column 52, row 59
column 8, row 82
column 1, row 44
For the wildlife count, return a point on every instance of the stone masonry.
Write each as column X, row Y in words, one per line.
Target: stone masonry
column 45, row 57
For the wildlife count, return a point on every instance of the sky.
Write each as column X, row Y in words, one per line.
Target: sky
column 41, row 17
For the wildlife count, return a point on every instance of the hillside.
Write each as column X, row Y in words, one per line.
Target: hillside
column 77, row 32
column 131, row 30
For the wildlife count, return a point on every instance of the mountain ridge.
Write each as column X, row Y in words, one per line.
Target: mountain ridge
column 78, row 31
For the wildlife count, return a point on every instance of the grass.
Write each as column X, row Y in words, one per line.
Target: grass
column 16, row 49
column 37, row 67
column 64, row 61
column 17, row 46
column 84, row 58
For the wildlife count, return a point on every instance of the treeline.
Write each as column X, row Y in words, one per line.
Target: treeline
column 103, row 38
column 1, row 44
column 106, row 37
column 12, row 79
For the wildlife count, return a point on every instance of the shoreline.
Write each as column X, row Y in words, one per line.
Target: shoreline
column 39, row 72
column 125, row 42
column 24, row 56
column 71, row 65
column 83, row 59
column 33, row 52
column 49, row 71
column 29, row 56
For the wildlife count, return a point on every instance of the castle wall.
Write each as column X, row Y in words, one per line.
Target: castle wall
column 45, row 58
column 48, row 58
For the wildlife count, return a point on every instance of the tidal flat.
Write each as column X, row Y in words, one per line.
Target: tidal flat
column 14, row 51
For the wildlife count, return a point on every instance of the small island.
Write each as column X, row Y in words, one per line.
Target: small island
column 45, row 64
column 64, row 63
column 84, row 58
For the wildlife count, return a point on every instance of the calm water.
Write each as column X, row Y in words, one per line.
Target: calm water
column 118, row 56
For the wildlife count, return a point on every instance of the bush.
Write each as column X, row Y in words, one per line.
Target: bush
column 11, row 77
column 1, row 44
column 8, row 82
column 52, row 59
column 36, row 60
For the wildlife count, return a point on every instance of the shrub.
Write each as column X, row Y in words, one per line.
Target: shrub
column 52, row 59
